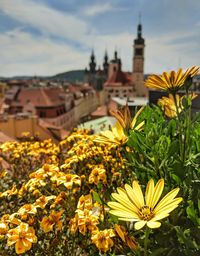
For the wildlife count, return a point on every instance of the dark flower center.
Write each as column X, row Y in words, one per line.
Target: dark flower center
column 146, row 213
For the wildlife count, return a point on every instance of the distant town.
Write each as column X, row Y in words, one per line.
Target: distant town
column 50, row 107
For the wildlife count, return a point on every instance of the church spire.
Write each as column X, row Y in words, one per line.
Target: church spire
column 105, row 63
column 139, row 28
column 92, row 63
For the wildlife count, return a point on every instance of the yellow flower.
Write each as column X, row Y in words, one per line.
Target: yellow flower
column 85, row 202
column 43, row 201
column 98, row 174
column 102, row 239
column 48, row 222
column 87, row 221
column 3, row 229
column 123, row 234
column 124, row 118
column 132, row 206
column 22, row 236
column 27, row 209
column 73, row 224
column 67, row 179
column 59, row 200
column 9, row 192
column 168, row 105
column 171, row 81
column 117, row 135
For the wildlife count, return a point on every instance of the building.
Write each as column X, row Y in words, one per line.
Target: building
column 51, row 104
column 138, row 64
column 97, row 77
column 113, row 80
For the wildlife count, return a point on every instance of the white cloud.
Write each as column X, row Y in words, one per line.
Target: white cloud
column 23, row 54
column 45, row 19
column 162, row 53
column 96, row 9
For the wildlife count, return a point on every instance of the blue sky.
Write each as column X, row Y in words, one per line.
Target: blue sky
column 45, row 37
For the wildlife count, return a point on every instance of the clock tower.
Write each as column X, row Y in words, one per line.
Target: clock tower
column 138, row 64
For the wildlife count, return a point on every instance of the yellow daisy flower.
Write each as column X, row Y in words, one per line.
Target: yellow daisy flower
column 171, row 81
column 168, row 105
column 132, row 206
column 117, row 135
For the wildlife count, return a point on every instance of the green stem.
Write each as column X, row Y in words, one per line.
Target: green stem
column 187, row 126
column 146, row 238
column 179, row 127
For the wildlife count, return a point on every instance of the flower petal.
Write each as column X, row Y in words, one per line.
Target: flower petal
column 140, row 224
column 118, row 206
column 123, row 214
column 149, row 192
column 124, row 200
column 166, row 199
column 153, row 224
column 157, row 192
column 169, row 207
column 135, row 194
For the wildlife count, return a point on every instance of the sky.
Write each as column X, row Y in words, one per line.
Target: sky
column 46, row 37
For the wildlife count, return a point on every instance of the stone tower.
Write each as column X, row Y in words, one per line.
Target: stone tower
column 138, row 64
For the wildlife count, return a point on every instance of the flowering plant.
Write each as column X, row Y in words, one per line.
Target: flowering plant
column 87, row 196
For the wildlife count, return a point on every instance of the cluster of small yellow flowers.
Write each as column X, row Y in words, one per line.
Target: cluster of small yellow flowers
column 99, row 163
column 84, row 220
column 102, row 239
column 22, row 236
column 87, row 219
column 67, row 179
column 48, row 222
column 29, row 155
column 9, row 192
column 39, row 178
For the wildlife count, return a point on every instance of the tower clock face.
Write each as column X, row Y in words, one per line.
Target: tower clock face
column 139, row 51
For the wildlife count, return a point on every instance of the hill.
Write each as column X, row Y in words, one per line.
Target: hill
column 70, row 76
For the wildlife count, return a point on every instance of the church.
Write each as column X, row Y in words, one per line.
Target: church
column 113, row 80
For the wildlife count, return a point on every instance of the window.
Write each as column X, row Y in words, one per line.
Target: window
column 42, row 114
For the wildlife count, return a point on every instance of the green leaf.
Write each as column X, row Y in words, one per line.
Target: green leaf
column 96, row 197
column 158, row 252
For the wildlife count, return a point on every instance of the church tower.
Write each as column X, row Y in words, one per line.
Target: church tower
column 105, row 64
column 138, row 64
column 92, row 63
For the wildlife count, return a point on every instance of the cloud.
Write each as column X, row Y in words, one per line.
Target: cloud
column 97, row 9
column 45, row 19
column 24, row 54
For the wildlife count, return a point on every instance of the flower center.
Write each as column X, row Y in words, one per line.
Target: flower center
column 146, row 213
column 22, row 234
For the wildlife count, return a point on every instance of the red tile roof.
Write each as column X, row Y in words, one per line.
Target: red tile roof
column 118, row 78
column 40, row 96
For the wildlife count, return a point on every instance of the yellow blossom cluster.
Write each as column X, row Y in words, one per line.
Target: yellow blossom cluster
column 87, row 218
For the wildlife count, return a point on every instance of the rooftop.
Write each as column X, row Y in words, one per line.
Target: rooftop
column 132, row 102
